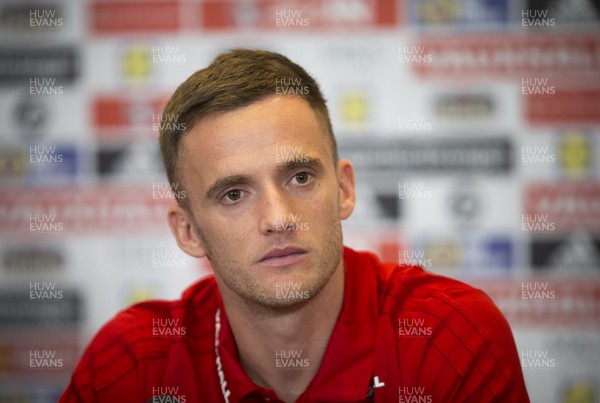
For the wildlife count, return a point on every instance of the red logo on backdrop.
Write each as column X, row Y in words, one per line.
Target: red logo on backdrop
column 118, row 17
column 299, row 14
column 120, row 117
column 508, row 55
column 45, row 212
column 537, row 302
column 568, row 205
column 565, row 106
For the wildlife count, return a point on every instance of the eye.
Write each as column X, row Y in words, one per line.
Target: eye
column 232, row 196
column 302, row 178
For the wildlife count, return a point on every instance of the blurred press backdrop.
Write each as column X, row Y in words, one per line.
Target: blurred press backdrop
column 473, row 125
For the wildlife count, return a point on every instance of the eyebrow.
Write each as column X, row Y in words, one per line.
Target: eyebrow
column 302, row 161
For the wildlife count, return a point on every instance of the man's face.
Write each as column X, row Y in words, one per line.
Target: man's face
column 266, row 200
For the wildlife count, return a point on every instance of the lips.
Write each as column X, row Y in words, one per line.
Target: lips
column 278, row 257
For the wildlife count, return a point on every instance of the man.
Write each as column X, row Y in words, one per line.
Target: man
column 290, row 314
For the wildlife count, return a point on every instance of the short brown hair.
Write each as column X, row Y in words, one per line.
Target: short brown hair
column 234, row 79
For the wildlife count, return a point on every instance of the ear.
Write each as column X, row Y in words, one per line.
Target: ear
column 184, row 231
column 345, row 173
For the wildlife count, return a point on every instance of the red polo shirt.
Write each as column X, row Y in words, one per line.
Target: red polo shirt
column 403, row 335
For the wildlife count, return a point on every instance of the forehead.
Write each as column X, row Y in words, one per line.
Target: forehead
column 253, row 136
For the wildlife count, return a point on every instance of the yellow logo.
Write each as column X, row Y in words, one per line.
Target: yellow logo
column 137, row 64
column 354, row 109
column 575, row 155
column 436, row 11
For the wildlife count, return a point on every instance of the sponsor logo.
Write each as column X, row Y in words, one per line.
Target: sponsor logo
column 571, row 55
column 576, row 303
column 299, row 14
column 465, row 204
column 430, row 155
column 18, row 311
column 464, row 107
column 161, row 16
column 30, row 115
column 575, row 153
column 19, row 65
column 354, row 106
column 32, row 261
column 444, row 253
column 576, row 252
column 57, row 352
column 569, row 205
column 102, row 209
column 581, row 390
column 497, row 253
column 118, row 117
column 133, row 161
column 136, row 64
column 565, row 106
column 459, row 12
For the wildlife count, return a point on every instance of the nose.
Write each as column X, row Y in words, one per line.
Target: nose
column 275, row 211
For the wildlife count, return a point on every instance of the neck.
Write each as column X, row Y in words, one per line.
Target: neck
column 283, row 350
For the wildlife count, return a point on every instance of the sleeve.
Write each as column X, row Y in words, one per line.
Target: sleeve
column 473, row 342
column 453, row 343
column 119, row 364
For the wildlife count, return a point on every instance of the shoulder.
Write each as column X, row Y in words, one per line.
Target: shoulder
column 460, row 338
column 139, row 339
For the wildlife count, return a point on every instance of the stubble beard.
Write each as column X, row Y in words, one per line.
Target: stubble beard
column 240, row 280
